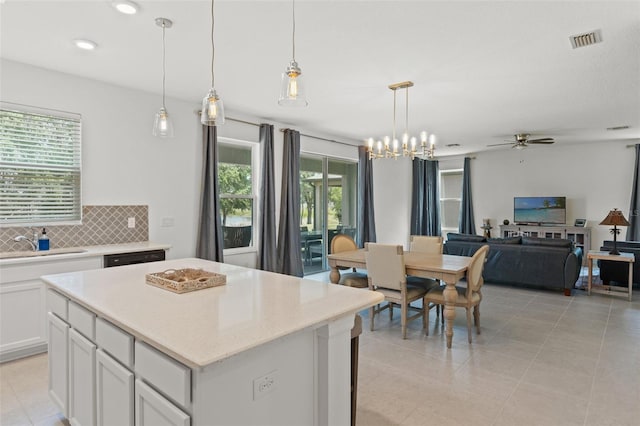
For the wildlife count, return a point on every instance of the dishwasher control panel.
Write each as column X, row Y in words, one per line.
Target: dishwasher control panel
column 120, row 259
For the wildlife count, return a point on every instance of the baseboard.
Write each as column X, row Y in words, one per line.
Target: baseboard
column 23, row 352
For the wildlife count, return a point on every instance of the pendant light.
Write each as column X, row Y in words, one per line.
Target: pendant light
column 291, row 89
column 162, row 126
column 212, row 108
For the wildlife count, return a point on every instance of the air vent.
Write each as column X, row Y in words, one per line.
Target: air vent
column 452, row 145
column 587, row 39
column 618, row 128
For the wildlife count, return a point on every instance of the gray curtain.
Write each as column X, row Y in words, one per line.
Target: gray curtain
column 209, row 245
column 633, row 230
column 289, row 248
column 425, row 198
column 467, row 223
column 366, row 216
column 267, row 254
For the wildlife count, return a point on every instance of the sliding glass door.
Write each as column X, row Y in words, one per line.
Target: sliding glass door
column 327, row 206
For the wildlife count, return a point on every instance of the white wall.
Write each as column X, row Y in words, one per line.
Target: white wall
column 122, row 163
column 594, row 177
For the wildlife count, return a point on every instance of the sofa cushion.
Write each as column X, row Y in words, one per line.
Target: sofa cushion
column 510, row 240
column 547, row 242
column 451, row 236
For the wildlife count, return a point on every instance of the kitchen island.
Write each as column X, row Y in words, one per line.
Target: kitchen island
column 263, row 349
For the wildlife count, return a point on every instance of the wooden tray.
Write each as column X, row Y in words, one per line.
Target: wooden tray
column 185, row 280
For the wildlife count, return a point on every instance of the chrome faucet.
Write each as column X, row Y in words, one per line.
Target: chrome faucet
column 33, row 242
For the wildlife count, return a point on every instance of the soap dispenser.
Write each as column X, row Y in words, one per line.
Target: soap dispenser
column 43, row 241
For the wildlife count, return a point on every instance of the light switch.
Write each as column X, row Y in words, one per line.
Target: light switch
column 167, row 222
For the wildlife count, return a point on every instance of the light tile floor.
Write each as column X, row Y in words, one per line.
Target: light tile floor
column 542, row 359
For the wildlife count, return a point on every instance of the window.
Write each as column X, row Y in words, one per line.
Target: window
column 237, row 176
column 39, row 166
column 450, row 200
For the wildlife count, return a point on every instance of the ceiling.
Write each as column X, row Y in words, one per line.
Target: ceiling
column 483, row 70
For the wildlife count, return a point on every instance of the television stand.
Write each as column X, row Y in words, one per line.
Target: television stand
column 581, row 236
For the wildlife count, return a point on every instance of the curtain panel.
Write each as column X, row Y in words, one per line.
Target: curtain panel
column 267, row 250
column 289, row 243
column 209, row 245
column 467, row 222
column 425, row 198
column 633, row 230
column 366, row 215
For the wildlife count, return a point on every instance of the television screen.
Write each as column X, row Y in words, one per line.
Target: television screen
column 543, row 210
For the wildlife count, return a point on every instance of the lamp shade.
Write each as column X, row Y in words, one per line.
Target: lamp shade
column 615, row 218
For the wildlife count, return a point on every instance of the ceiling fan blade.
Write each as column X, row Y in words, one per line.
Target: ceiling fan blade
column 500, row 144
column 543, row 140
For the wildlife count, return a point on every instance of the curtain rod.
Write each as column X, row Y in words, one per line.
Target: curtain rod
column 197, row 112
column 322, row 139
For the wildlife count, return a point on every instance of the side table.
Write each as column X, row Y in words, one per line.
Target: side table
column 607, row 289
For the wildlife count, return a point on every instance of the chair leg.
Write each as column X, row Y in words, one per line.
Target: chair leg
column 469, row 323
column 426, row 327
column 403, row 320
column 476, row 317
column 372, row 314
column 390, row 311
column 425, row 312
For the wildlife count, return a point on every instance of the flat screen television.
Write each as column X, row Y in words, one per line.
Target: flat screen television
column 540, row 210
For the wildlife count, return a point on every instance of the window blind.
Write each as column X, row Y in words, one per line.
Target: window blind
column 40, row 166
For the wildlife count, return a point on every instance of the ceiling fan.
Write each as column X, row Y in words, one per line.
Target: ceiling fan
column 522, row 141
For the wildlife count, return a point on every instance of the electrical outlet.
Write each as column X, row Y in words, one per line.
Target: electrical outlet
column 167, row 222
column 265, row 384
column 131, row 222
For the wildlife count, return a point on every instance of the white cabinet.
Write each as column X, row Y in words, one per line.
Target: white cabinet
column 23, row 319
column 114, row 392
column 58, row 362
column 82, row 380
column 152, row 409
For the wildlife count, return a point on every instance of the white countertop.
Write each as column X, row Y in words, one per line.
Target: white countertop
column 78, row 252
column 205, row 326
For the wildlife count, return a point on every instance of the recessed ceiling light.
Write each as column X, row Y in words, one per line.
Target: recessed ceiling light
column 85, row 44
column 125, row 6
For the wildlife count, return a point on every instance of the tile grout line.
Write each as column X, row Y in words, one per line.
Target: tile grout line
column 593, row 379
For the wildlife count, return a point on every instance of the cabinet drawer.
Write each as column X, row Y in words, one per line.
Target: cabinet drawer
column 164, row 373
column 57, row 304
column 118, row 343
column 82, row 320
column 152, row 409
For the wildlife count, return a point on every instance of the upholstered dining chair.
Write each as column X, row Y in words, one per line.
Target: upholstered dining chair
column 385, row 266
column 426, row 244
column 469, row 296
column 340, row 243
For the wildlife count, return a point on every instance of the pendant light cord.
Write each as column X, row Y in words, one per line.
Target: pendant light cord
column 163, row 63
column 293, row 35
column 213, row 47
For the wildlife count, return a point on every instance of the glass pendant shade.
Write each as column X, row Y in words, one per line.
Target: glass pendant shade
column 162, row 126
column 292, row 87
column 212, row 109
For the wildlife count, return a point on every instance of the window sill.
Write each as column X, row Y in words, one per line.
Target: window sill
column 239, row 250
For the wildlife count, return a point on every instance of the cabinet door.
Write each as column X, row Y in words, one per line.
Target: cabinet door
column 58, row 362
column 22, row 319
column 152, row 409
column 114, row 392
column 82, row 380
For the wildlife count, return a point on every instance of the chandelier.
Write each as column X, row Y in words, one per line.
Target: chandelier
column 389, row 147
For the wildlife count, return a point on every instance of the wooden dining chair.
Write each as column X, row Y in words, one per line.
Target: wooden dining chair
column 386, row 269
column 426, row 244
column 469, row 296
column 341, row 243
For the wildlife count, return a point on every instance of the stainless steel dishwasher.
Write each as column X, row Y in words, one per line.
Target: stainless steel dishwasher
column 131, row 258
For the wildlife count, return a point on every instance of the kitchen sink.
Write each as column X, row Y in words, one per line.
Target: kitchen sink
column 18, row 254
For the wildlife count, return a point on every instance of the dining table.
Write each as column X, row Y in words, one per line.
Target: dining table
column 445, row 267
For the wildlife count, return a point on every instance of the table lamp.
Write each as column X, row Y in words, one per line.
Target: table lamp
column 615, row 218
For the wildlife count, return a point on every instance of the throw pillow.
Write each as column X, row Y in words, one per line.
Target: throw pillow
column 548, row 242
column 510, row 240
column 451, row 236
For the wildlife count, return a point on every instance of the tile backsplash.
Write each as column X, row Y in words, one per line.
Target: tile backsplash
column 100, row 225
